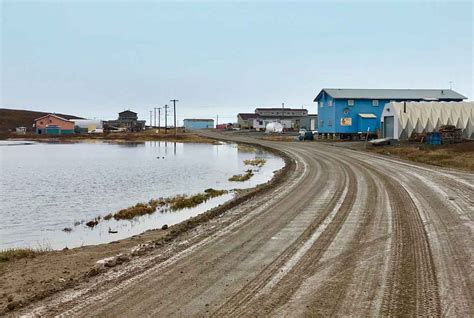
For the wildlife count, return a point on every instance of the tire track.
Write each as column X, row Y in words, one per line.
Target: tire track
column 412, row 284
column 249, row 300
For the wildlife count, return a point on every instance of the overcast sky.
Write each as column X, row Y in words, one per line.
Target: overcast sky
column 96, row 58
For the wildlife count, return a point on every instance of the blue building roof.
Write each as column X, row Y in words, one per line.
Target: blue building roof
column 400, row 94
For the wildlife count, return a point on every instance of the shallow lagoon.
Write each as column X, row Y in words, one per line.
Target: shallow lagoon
column 45, row 187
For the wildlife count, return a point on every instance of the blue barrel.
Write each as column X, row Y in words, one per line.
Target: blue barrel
column 433, row 138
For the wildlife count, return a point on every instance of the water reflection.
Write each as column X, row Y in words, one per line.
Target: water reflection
column 47, row 187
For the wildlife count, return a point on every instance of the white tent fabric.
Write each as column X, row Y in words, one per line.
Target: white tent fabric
column 274, row 128
column 424, row 117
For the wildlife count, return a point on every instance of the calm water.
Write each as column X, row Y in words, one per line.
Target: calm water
column 46, row 187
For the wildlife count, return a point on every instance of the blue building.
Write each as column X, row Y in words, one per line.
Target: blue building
column 198, row 123
column 349, row 113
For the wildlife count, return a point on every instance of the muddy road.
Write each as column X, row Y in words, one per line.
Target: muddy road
column 347, row 233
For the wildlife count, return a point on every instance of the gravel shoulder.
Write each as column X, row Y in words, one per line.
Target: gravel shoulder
column 344, row 233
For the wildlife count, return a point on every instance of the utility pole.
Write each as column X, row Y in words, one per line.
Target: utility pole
column 174, row 109
column 166, row 118
column 282, row 112
column 155, row 108
column 217, row 120
column 450, row 84
column 159, row 119
column 151, row 117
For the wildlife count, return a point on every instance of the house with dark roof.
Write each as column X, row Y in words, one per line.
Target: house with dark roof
column 127, row 120
column 350, row 113
column 290, row 118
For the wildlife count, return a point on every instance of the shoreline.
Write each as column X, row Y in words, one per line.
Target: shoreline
column 27, row 280
column 183, row 137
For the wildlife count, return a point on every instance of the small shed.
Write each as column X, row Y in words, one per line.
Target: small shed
column 196, row 123
column 20, row 130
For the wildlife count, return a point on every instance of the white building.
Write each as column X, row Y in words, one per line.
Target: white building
column 88, row 125
column 400, row 120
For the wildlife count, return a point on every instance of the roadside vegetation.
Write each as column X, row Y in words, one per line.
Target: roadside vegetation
column 460, row 156
column 18, row 253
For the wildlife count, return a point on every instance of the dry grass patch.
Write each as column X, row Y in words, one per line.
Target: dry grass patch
column 460, row 156
column 17, row 253
column 278, row 138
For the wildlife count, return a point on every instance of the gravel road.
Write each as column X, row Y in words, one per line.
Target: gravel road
column 348, row 233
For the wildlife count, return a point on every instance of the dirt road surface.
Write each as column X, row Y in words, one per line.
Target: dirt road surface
column 348, row 233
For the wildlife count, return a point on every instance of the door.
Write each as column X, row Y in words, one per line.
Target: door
column 388, row 122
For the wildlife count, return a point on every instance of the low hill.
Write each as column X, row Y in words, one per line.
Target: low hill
column 12, row 118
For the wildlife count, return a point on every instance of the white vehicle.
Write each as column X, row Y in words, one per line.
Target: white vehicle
column 274, row 128
column 302, row 131
column 96, row 131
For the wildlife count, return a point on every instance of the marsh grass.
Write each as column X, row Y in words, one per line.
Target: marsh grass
column 242, row 177
column 137, row 210
column 185, row 202
column 175, row 203
column 257, row 162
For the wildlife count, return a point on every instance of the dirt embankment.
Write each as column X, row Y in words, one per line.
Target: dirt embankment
column 35, row 277
column 12, row 118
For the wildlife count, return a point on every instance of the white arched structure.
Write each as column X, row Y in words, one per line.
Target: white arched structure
column 400, row 120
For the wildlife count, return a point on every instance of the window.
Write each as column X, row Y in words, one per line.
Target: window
column 375, row 102
column 330, row 103
column 330, row 122
column 321, row 103
column 321, row 123
column 350, row 102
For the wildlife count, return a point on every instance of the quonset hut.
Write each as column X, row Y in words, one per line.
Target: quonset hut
column 400, row 120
